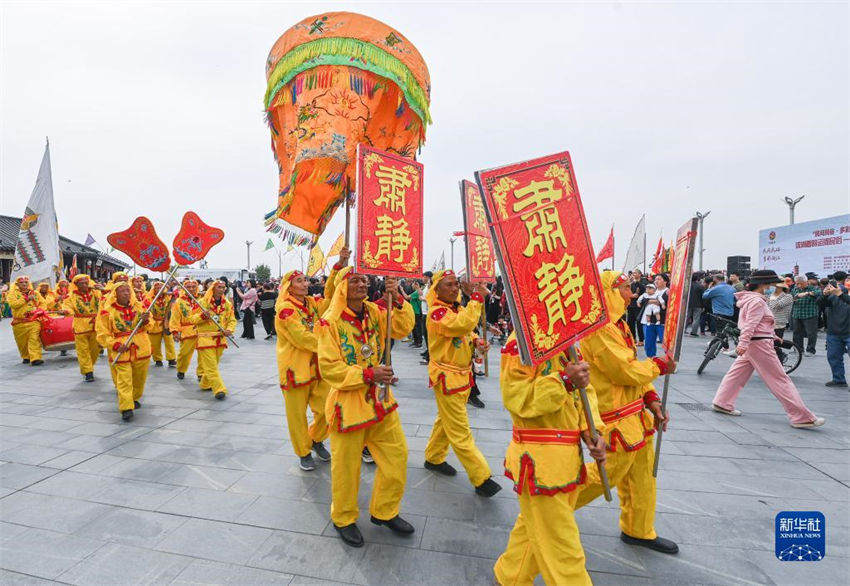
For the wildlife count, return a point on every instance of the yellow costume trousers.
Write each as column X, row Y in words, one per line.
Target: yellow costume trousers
column 87, row 351
column 631, row 474
column 297, row 400
column 451, row 428
column 156, row 347
column 28, row 338
column 388, row 446
column 184, row 356
column 129, row 379
column 208, row 359
column 544, row 540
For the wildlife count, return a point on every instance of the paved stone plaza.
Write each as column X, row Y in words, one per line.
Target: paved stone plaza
column 196, row 491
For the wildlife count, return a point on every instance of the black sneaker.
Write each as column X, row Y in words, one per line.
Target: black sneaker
column 443, row 468
column 181, row 375
column 367, row 456
column 396, row 525
column 351, row 535
column 205, row 390
column 172, row 364
column 658, row 544
column 307, row 463
column 158, row 363
column 199, row 377
column 127, row 415
column 37, row 362
column 321, row 451
column 834, row 383
column 25, row 361
column 137, row 405
column 221, row 395
column 488, row 488
column 89, row 377
column 475, row 402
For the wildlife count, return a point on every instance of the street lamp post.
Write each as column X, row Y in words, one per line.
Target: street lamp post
column 701, row 217
column 248, row 243
column 792, row 203
column 452, row 242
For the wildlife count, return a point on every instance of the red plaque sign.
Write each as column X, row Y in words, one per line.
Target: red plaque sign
column 680, row 287
column 480, row 256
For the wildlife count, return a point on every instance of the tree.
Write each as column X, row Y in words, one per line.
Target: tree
column 263, row 272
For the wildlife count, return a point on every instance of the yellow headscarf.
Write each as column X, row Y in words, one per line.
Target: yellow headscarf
column 431, row 297
column 339, row 301
column 208, row 294
column 112, row 298
column 74, row 288
column 611, row 280
column 283, row 293
column 15, row 292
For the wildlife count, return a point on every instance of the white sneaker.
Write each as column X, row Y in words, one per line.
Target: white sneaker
column 816, row 423
column 729, row 352
column 719, row 409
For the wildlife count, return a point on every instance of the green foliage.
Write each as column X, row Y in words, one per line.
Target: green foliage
column 263, row 273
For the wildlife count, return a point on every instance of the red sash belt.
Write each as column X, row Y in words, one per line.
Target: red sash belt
column 569, row 437
column 121, row 334
column 623, row 412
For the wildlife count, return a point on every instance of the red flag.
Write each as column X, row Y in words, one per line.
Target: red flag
column 658, row 259
column 141, row 243
column 194, row 239
column 73, row 272
column 607, row 250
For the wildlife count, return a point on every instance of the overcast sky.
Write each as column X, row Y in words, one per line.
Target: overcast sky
column 666, row 108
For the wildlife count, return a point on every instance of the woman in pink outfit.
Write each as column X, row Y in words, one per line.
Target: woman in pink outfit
column 755, row 352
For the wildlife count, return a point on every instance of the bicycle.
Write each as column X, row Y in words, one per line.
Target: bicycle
column 789, row 355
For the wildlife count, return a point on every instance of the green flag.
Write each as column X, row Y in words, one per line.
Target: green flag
column 269, row 244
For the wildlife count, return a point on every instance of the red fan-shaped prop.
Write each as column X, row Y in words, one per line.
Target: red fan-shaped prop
column 141, row 243
column 195, row 239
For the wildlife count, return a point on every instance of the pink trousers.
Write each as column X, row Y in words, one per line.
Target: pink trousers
column 761, row 357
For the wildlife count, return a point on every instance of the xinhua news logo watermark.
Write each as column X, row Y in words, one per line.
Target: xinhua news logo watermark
column 800, row 536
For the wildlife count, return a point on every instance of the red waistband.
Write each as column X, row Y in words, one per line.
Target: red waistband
column 623, row 412
column 568, row 437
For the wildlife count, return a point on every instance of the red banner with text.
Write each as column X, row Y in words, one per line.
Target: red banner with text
column 680, row 287
column 546, row 256
column 389, row 214
column 480, row 256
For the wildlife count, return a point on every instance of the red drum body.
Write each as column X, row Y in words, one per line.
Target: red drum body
column 57, row 333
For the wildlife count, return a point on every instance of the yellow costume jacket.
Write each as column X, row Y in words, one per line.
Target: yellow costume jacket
column 24, row 305
column 209, row 336
column 47, row 300
column 353, row 401
column 114, row 324
column 158, row 310
column 545, row 453
column 181, row 317
column 297, row 344
column 451, row 339
column 84, row 308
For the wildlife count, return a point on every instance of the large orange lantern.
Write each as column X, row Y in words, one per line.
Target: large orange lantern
column 336, row 80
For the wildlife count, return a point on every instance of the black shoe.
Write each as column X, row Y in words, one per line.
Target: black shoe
column 172, row 364
column 89, row 377
column 366, row 455
column 658, row 544
column 220, row 395
column 396, row 525
column 37, row 362
column 158, row 363
column 137, row 405
column 100, row 353
column 351, row 535
column 269, row 337
column 181, row 375
column 63, row 353
column 444, row 468
column 127, row 415
column 833, row 383
column 488, row 488
column 25, row 361
column 205, row 390
column 416, row 345
column 424, row 362
column 307, row 464
column 199, row 377
column 321, row 451
column 475, row 402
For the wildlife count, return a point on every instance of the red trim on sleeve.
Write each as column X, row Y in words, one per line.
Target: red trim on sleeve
column 338, row 266
column 115, row 346
column 567, row 382
column 511, row 348
column 662, row 366
column 285, row 313
column 368, row 375
column 477, row 297
column 438, row 313
column 650, row 397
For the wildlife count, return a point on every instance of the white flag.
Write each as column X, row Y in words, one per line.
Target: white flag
column 37, row 250
column 636, row 254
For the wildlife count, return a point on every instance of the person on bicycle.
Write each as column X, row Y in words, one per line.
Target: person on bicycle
column 722, row 297
column 756, row 352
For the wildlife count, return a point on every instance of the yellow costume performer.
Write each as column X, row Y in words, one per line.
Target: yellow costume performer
column 83, row 303
column 60, row 295
column 118, row 315
column 351, row 346
column 25, row 304
column 117, row 277
column 544, row 460
column 184, row 329
column 298, row 364
column 451, row 341
column 211, row 342
column 139, row 292
column 624, row 390
column 159, row 331
column 46, row 297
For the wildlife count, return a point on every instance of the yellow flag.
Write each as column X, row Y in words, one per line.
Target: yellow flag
column 337, row 245
column 316, row 262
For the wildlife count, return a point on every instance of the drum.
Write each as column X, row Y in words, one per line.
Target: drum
column 57, row 332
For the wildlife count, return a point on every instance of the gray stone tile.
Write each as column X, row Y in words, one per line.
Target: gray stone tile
column 102, row 489
column 69, row 460
column 202, row 572
column 386, row 564
column 132, row 527
column 287, row 514
column 278, row 485
column 17, row 476
column 114, row 563
column 30, row 454
column 45, row 554
column 8, row 578
column 217, row 541
column 208, row 504
column 327, row 558
column 202, row 476
column 50, row 512
column 450, row 536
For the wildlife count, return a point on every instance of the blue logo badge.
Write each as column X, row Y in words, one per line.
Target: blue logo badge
column 800, row 536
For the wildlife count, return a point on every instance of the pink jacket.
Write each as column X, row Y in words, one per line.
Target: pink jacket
column 755, row 318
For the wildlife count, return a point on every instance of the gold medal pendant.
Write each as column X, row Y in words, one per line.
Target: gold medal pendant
column 366, row 351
